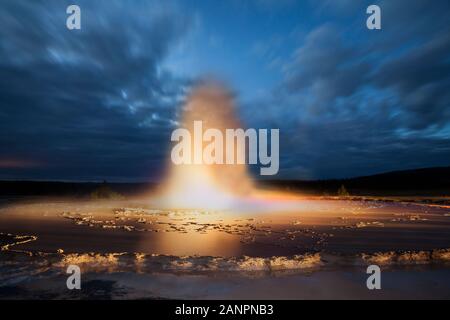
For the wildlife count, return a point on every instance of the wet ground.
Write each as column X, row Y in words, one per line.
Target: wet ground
column 310, row 241
column 315, row 225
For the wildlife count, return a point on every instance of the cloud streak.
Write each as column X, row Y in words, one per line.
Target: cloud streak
column 100, row 103
column 94, row 102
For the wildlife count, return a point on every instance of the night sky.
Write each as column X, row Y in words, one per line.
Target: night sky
column 100, row 103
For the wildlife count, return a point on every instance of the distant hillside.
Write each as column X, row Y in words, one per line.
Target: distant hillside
column 425, row 182
column 67, row 189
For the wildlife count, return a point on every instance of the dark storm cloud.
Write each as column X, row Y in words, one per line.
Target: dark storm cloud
column 99, row 103
column 355, row 102
column 421, row 78
column 88, row 103
column 325, row 69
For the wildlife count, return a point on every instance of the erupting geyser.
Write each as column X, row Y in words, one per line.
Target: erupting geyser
column 207, row 186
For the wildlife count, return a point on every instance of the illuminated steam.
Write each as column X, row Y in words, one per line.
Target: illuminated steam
column 200, row 185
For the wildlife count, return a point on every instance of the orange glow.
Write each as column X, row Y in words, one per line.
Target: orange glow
column 216, row 186
column 200, row 185
column 9, row 163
